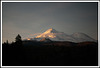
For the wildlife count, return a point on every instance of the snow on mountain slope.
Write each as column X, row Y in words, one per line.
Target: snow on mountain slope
column 61, row 36
column 81, row 37
column 49, row 33
column 54, row 35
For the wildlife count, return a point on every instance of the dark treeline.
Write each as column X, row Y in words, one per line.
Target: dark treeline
column 33, row 53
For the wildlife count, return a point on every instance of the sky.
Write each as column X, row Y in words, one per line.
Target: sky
column 30, row 18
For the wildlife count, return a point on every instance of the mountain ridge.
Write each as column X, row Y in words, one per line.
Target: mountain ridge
column 55, row 35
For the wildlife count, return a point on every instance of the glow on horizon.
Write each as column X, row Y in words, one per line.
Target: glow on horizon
column 28, row 39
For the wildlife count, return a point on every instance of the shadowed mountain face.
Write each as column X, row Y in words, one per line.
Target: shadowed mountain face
column 55, row 35
column 45, row 40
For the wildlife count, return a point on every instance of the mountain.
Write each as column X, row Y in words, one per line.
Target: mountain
column 81, row 37
column 54, row 35
column 49, row 33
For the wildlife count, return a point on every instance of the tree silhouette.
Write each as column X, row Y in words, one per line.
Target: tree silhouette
column 18, row 40
column 7, row 41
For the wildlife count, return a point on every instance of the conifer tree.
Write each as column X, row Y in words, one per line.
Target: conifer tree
column 7, row 42
column 18, row 40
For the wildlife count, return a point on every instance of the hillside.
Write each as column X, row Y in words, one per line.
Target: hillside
column 54, row 53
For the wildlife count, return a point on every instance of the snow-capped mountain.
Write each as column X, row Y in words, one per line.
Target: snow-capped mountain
column 51, row 33
column 61, row 36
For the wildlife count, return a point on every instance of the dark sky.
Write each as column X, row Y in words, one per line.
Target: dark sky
column 30, row 18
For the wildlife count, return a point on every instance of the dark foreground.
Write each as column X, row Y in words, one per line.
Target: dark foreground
column 50, row 54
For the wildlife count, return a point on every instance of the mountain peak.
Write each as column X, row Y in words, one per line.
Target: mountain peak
column 48, row 33
column 51, row 30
